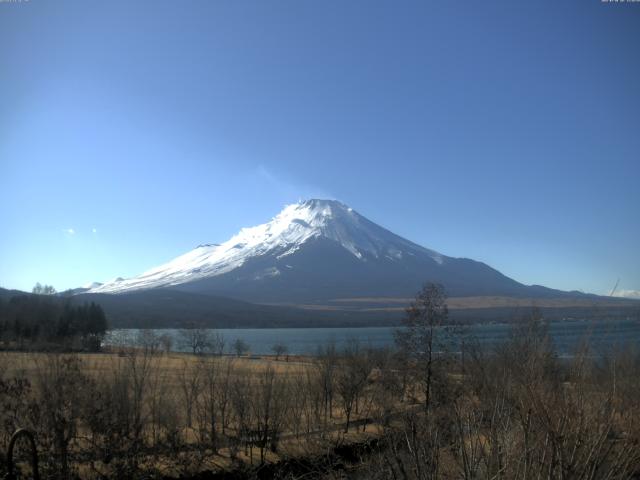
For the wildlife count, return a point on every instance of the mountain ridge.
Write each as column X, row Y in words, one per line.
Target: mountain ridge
column 294, row 226
column 317, row 250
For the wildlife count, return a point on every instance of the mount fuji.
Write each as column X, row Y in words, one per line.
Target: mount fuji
column 320, row 251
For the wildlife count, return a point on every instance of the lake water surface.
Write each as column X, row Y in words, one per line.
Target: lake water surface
column 566, row 335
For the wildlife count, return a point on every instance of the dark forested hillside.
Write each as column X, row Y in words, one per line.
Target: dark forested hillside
column 28, row 320
column 163, row 308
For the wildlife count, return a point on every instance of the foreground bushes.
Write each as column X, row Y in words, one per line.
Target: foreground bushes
column 512, row 412
column 521, row 413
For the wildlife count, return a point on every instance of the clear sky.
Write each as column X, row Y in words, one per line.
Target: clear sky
column 507, row 132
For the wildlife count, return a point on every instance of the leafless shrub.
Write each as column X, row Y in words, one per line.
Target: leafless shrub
column 269, row 405
column 190, row 378
column 194, row 339
column 212, row 402
column 351, row 378
column 61, row 388
column 326, row 364
column 279, row 349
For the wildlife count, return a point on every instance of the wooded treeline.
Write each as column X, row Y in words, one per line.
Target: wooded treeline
column 45, row 321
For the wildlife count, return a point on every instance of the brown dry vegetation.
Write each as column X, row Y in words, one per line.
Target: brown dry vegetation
column 120, row 414
column 485, row 301
column 516, row 412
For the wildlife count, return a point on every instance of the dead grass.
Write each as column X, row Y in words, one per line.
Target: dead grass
column 170, row 369
column 172, row 364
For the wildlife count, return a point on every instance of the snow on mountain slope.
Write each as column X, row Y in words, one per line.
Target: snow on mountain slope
column 282, row 236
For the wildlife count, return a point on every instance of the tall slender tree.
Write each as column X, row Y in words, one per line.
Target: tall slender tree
column 418, row 338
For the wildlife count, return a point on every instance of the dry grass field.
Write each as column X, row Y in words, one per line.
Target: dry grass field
column 171, row 364
column 175, row 391
column 514, row 412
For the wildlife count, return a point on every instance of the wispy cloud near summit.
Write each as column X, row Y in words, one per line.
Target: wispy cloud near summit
column 288, row 188
column 627, row 294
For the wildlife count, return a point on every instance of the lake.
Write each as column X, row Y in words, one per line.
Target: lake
column 566, row 335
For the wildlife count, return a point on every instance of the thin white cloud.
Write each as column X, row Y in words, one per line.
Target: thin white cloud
column 627, row 294
column 94, row 230
column 290, row 189
column 69, row 231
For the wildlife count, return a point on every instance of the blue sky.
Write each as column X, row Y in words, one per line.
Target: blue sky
column 507, row 132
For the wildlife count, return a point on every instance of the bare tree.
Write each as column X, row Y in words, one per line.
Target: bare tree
column 61, row 385
column 269, row 404
column 300, row 404
column 419, row 336
column 224, row 392
column 217, row 343
column 190, row 384
column 120, row 340
column 387, row 386
column 240, row 347
column 279, row 349
column 161, row 405
column 166, row 341
column 196, row 340
column 148, row 340
column 351, row 378
column 209, row 401
column 240, row 394
column 326, row 363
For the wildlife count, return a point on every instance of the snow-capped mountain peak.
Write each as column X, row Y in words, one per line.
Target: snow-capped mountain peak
column 284, row 235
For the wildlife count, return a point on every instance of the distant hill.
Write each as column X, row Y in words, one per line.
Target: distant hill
column 164, row 308
column 160, row 308
column 6, row 294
